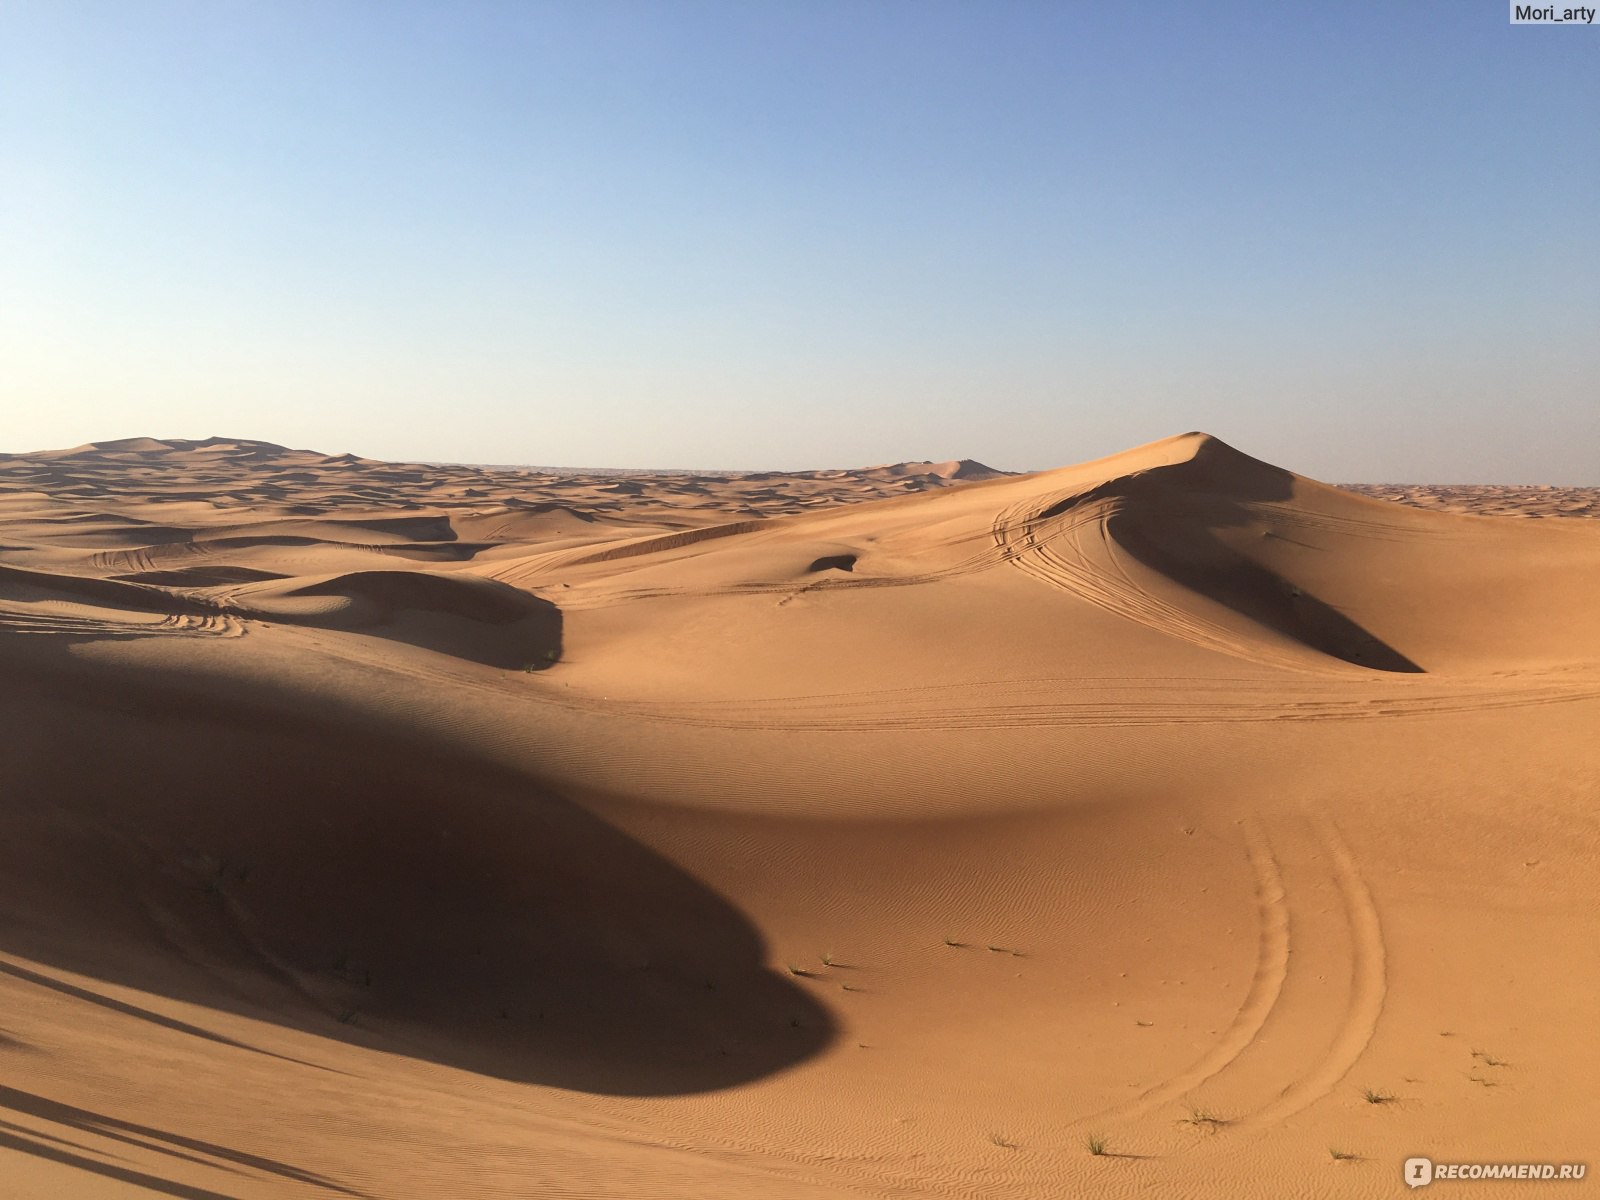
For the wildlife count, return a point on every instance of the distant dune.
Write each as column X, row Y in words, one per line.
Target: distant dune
column 960, row 468
column 1171, row 825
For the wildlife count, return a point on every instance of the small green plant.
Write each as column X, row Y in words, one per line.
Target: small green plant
column 1339, row 1155
column 1003, row 1142
column 1373, row 1096
column 828, row 960
column 1096, row 1144
column 1203, row 1117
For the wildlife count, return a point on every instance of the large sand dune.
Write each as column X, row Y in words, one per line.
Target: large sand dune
column 396, row 830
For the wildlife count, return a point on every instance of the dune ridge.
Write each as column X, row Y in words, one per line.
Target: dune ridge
column 405, row 830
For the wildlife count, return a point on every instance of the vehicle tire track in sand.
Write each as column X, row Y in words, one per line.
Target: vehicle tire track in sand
column 1368, row 988
column 1048, row 543
column 217, row 624
column 1266, row 984
column 1081, row 702
column 1266, row 1005
column 1304, row 518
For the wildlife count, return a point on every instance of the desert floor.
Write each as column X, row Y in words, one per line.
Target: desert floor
column 395, row 830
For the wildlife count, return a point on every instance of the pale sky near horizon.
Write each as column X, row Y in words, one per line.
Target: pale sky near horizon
column 1361, row 241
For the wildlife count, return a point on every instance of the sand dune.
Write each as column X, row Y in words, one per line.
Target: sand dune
column 404, row 830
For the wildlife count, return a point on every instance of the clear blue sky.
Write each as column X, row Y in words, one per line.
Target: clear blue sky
column 1360, row 240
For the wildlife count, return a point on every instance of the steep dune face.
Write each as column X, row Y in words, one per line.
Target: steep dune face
column 391, row 830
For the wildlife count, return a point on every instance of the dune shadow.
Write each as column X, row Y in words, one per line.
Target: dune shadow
column 1255, row 591
column 482, row 620
column 89, row 996
column 833, row 562
column 24, row 1141
column 382, row 890
column 144, row 1137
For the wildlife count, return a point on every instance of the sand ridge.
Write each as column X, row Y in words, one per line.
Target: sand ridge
column 415, row 830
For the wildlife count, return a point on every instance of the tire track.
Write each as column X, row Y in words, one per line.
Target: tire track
column 1368, row 988
column 218, row 624
column 1261, row 998
column 1268, row 1005
column 1300, row 517
column 1113, row 704
column 1048, row 544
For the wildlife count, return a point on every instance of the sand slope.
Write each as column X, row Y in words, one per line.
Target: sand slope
column 395, row 830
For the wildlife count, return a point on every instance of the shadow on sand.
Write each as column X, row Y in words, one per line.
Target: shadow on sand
column 380, row 888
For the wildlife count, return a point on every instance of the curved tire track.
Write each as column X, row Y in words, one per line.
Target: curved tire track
column 1368, row 988
column 1266, row 1004
column 1266, row 985
column 1048, row 543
